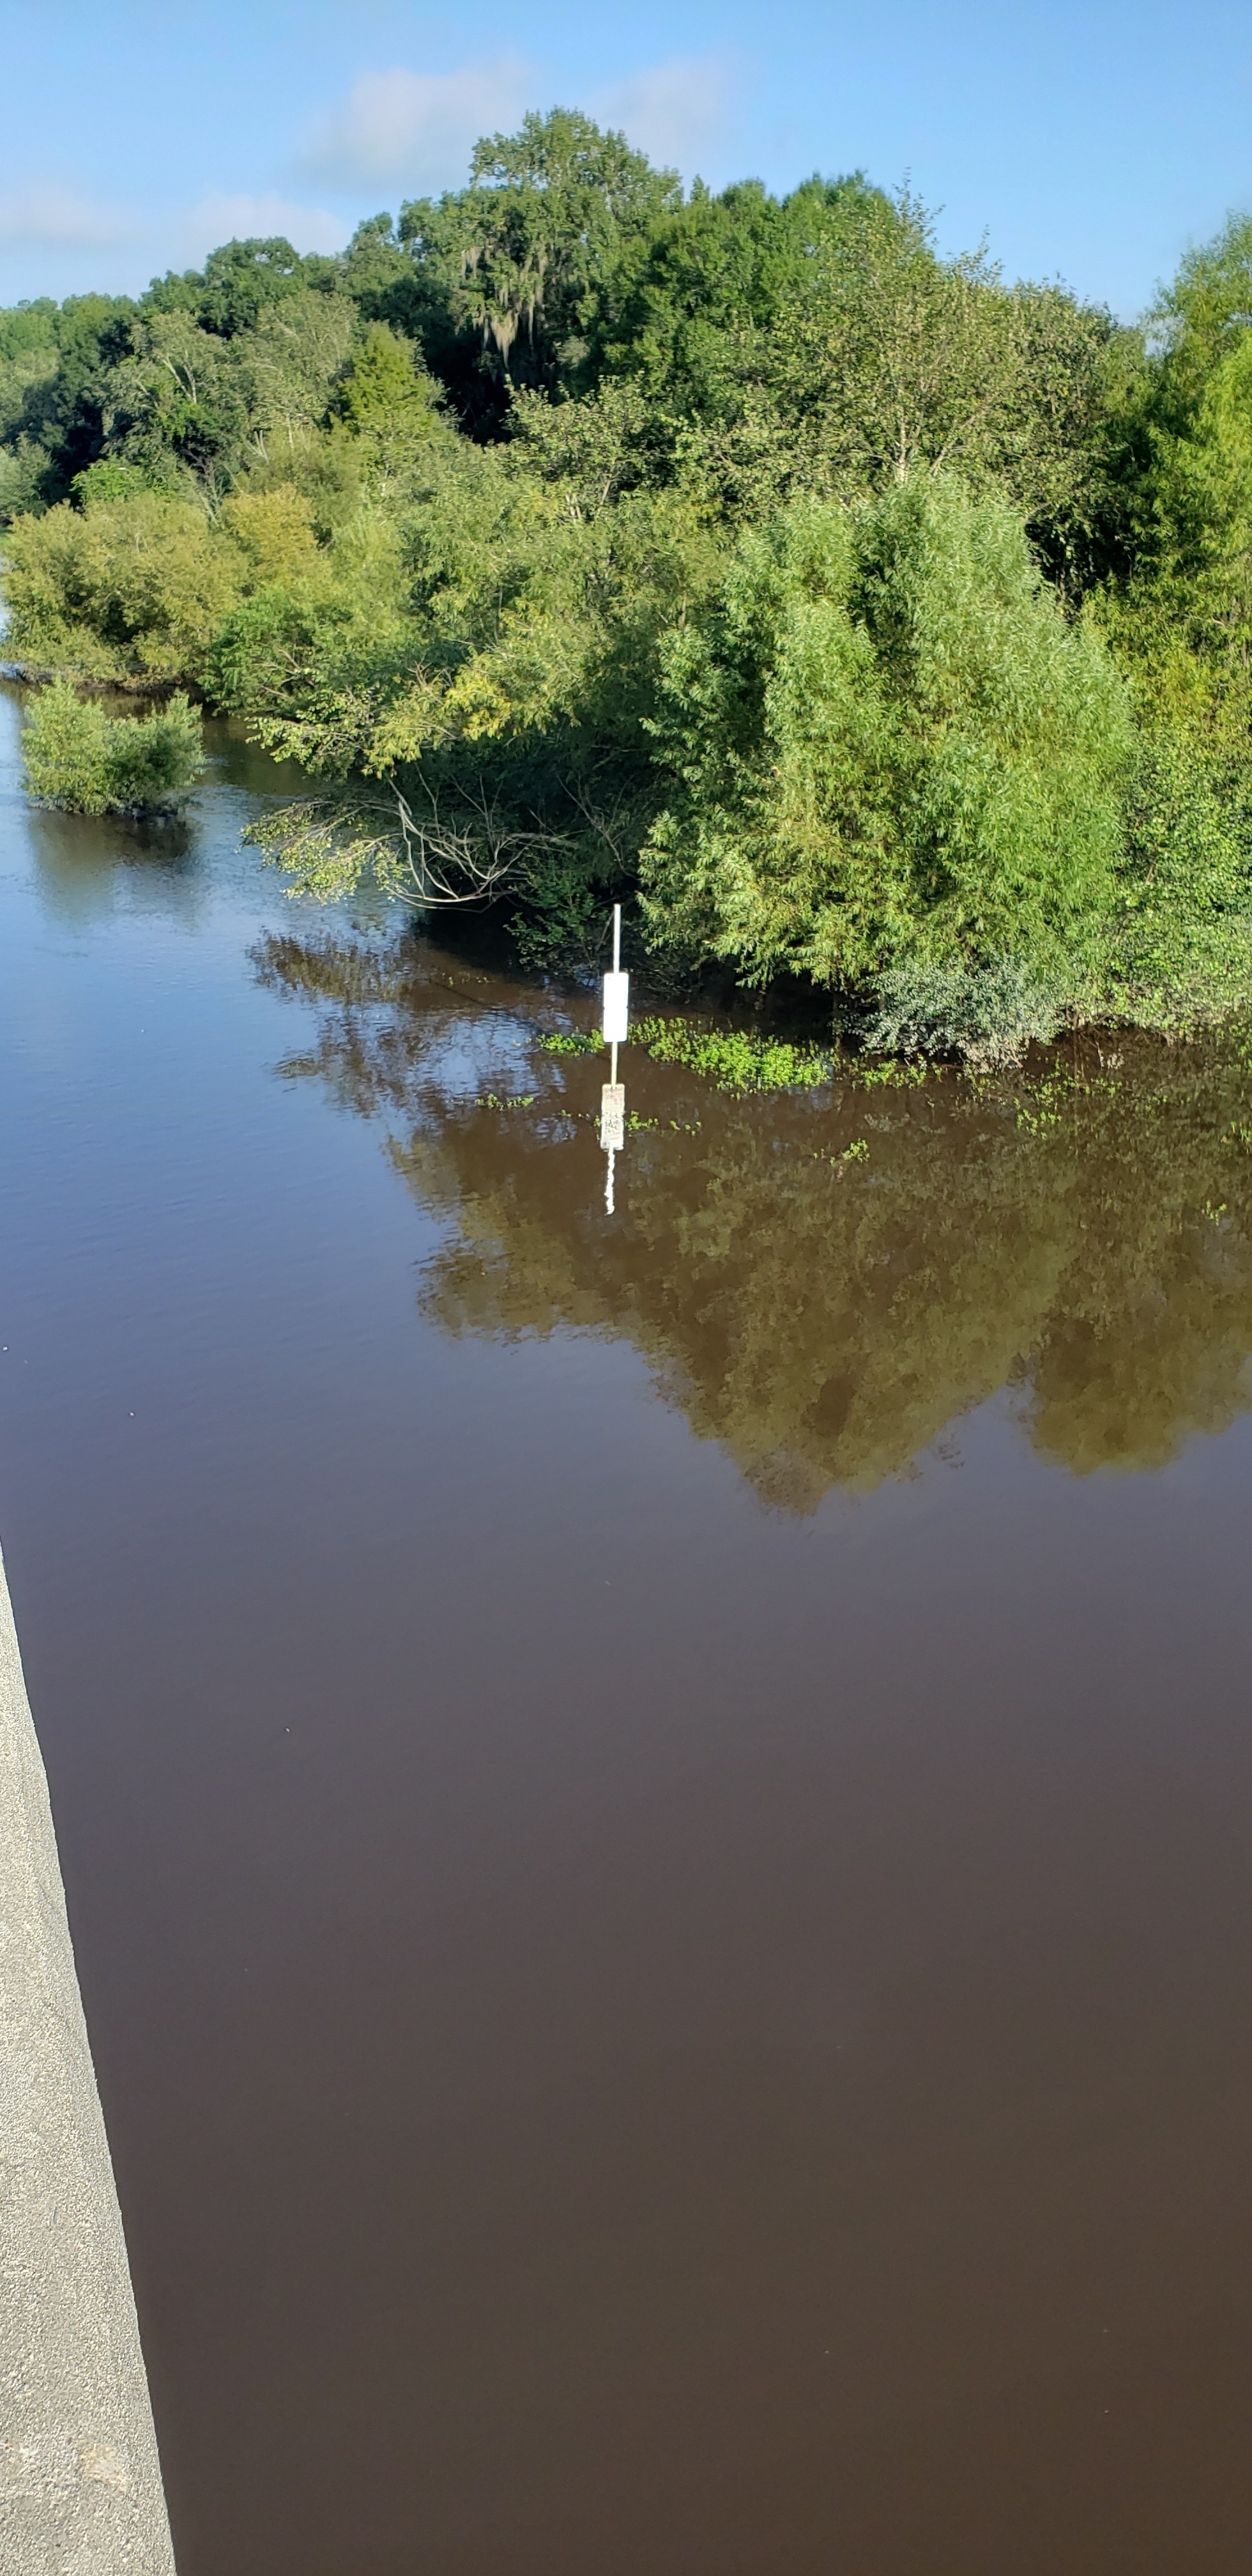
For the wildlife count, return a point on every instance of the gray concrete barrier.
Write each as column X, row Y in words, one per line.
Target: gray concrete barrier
column 80, row 2482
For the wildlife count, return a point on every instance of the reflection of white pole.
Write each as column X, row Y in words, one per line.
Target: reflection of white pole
column 611, row 1126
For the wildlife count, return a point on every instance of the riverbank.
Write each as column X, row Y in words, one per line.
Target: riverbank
column 93, row 684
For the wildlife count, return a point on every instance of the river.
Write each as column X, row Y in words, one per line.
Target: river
column 656, row 1806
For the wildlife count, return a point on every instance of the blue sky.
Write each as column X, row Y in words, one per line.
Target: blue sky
column 1090, row 144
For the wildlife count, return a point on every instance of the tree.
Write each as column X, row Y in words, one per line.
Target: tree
column 176, row 399
column 286, row 368
column 391, row 406
column 708, row 277
column 493, row 728
column 1178, row 603
column 64, row 413
column 238, row 283
column 880, row 357
column 518, row 254
column 131, row 585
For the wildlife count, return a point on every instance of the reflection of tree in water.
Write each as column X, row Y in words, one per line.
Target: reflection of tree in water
column 1084, row 1238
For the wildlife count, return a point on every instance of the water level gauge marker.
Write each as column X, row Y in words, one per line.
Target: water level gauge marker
column 616, row 1027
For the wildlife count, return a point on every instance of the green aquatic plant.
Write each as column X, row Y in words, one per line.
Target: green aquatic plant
column 899, row 1073
column 733, row 1059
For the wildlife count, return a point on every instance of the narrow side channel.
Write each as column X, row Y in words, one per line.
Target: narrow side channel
column 80, row 2482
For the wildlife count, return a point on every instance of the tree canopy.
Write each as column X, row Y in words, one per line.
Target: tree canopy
column 859, row 616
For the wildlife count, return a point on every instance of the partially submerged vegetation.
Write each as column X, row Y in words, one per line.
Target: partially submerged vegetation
column 80, row 758
column 868, row 625
column 736, row 1060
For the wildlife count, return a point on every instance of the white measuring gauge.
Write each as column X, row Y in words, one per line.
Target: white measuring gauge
column 616, row 1008
column 616, row 993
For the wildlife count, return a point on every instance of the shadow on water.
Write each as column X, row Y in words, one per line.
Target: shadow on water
column 89, row 864
column 823, row 1282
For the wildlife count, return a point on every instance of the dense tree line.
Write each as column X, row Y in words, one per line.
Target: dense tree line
column 862, row 618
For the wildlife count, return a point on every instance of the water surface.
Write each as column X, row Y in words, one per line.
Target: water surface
column 656, row 1806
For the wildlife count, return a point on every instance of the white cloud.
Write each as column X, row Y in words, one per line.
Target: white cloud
column 417, row 129
column 221, row 217
column 57, row 218
column 674, row 111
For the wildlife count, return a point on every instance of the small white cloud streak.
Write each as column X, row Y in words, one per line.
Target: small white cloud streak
column 220, row 217
column 417, row 129
column 49, row 217
column 674, row 111
column 120, row 253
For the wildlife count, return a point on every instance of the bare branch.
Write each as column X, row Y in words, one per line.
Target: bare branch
column 465, row 856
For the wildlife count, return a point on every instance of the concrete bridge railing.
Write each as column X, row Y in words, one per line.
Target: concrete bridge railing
column 80, row 2482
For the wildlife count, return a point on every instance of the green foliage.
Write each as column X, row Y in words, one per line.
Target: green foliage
column 55, row 389
column 885, row 742
column 221, row 405
column 523, row 254
column 239, row 284
column 497, row 692
column 29, row 361
column 986, row 1014
column 111, row 478
column 703, row 289
column 876, row 621
column 28, row 329
column 129, row 585
column 879, row 357
column 87, row 762
column 734, row 1060
column 1177, row 603
column 1204, row 314
column 1176, row 948
column 249, row 663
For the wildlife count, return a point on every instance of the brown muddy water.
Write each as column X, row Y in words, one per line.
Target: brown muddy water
column 657, row 1808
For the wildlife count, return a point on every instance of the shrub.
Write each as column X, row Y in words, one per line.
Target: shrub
column 1176, row 948
column 886, row 746
column 986, row 1014
column 138, row 581
column 87, row 762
